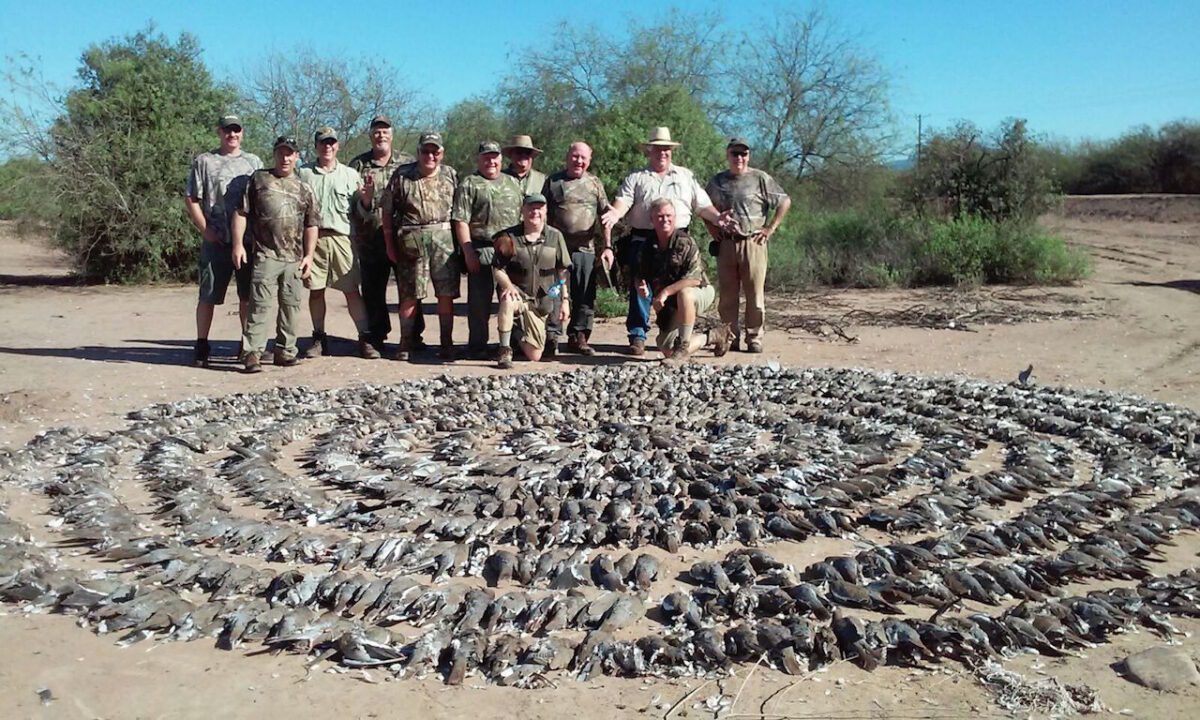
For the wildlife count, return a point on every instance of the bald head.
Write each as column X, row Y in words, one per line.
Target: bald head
column 579, row 159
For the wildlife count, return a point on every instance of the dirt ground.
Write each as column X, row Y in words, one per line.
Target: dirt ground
column 86, row 355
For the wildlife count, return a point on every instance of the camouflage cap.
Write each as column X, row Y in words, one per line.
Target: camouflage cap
column 227, row 121
column 286, row 141
column 488, row 147
column 430, row 138
column 534, row 199
column 737, row 142
column 325, row 133
column 378, row 120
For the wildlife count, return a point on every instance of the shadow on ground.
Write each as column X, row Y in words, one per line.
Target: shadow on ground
column 1192, row 286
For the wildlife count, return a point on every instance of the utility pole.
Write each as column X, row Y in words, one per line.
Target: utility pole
column 918, row 142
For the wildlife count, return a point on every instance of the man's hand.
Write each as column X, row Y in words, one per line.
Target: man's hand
column 644, row 289
column 660, row 300
column 606, row 258
column 471, row 258
column 762, row 236
column 511, row 294
column 564, row 312
column 366, row 194
column 609, row 218
column 239, row 256
column 306, row 267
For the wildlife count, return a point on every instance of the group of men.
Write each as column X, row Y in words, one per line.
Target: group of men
column 535, row 243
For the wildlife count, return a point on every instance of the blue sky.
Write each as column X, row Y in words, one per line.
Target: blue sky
column 1074, row 69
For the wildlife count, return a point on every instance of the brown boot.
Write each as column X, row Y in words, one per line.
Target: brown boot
column 367, row 351
column 504, row 360
column 319, row 346
column 252, row 363
column 721, row 344
column 637, row 347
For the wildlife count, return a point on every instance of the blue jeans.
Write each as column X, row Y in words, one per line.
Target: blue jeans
column 637, row 320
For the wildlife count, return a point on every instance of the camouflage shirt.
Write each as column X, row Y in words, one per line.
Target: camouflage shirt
column 573, row 205
column 279, row 209
column 535, row 265
column 218, row 182
column 487, row 206
column 367, row 223
column 751, row 195
column 679, row 260
column 531, row 183
column 414, row 200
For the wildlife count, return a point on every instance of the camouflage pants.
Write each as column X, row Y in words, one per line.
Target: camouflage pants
column 273, row 280
column 427, row 256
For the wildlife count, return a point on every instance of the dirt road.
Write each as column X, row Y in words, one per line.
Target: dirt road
column 86, row 355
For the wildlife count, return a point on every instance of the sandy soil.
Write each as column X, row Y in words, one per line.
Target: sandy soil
column 85, row 355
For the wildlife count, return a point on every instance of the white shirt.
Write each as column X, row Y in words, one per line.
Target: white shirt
column 643, row 187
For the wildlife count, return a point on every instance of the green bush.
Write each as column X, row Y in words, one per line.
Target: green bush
column 887, row 249
column 610, row 303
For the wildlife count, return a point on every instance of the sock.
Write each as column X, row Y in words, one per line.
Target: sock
column 505, row 339
column 406, row 330
column 685, row 335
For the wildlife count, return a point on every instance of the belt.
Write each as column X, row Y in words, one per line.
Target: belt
column 427, row 226
column 326, row 232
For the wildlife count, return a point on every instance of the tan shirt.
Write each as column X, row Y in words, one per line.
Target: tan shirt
column 643, row 187
column 335, row 189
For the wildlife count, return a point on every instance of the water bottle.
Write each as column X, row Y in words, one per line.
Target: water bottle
column 555, row 290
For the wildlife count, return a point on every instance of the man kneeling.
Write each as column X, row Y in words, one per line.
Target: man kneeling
column 530, row 269
column 670, row 271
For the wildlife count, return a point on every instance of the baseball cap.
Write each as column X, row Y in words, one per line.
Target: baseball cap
column 489, row 146
column 534, row 199
column 383, row 120
column 286, row 141
column 737, row 142
column 325, row 133
column 229, row 121
column 430, row 138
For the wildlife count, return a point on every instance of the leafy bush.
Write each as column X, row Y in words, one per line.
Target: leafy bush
column 882, row 249
column 964, row 173
column 610, row 303
column 1140, row 161
column 122, row 149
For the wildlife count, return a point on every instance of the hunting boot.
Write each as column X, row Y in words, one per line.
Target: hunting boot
column 200, row 353
column 252, row 363
column 318, row 347
column 505, row 359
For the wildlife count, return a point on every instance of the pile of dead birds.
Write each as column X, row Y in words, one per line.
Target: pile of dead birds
column 627, row 521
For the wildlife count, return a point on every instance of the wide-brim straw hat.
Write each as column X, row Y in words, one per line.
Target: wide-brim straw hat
column 521, row 142
column 660, row 136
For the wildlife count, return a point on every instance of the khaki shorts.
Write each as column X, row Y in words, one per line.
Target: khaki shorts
column 335, row 265
column 529, row 326
column 670, row 331
column 427, row 256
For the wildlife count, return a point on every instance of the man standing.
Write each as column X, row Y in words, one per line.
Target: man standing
column 751, row 195
column 660, row 179
column 335, row 264
column 521, row 153
column 214, row 187
column 284, row 216
column 375, row 168
column 416, row 229
column 530, row 270
column 575, row 201
column 670, row 274
column 486, row 202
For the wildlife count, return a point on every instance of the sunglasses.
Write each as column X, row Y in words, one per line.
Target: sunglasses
column 431, row 151
column 328, row 141
column 739, row 153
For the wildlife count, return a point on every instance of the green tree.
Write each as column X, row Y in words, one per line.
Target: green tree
column 23, row 196
column 467, row 124
column 121, row 150
column 966, row 173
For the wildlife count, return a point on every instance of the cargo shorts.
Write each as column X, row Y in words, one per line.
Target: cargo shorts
column 335, row 265
column 216, row 270
column 529, row 325
column 669, row 329
column 427, row 256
